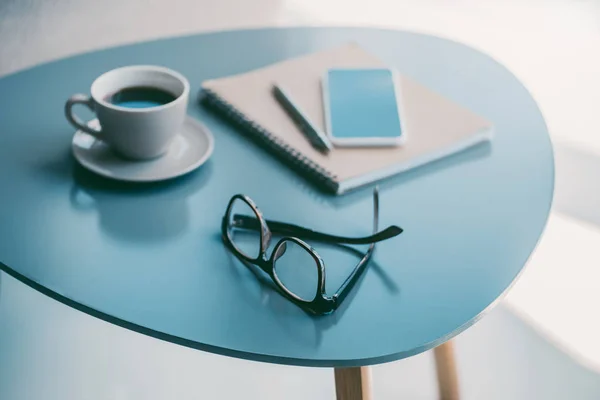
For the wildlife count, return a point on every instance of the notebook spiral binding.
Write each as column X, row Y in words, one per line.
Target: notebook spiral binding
column 282, row 150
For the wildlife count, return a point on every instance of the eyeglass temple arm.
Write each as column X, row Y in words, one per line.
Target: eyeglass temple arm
column 349, row 283
column 283, row 228
column 248, row 222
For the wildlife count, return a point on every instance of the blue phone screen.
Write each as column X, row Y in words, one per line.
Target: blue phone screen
column 362, row 103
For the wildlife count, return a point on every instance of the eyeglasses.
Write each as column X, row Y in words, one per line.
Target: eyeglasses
column 294, row 266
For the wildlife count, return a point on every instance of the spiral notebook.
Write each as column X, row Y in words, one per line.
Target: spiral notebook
column 437, row 127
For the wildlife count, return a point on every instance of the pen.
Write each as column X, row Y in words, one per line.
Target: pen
column 316, row 138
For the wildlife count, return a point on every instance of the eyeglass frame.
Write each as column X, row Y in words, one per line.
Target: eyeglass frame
column 322, row 303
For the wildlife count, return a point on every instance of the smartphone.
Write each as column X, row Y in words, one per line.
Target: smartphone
column 363, row 107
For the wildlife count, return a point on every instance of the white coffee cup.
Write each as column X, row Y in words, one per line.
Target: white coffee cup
column 136, row 133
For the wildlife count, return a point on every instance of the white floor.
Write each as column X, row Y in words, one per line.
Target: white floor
column 552, row 46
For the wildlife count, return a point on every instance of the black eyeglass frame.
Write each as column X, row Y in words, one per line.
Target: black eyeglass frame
column 321, row 303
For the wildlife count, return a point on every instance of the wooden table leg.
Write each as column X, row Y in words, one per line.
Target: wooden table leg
column 353, row 383
column 447, row 376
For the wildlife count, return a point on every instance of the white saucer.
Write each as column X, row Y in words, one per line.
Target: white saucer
column 190, row 149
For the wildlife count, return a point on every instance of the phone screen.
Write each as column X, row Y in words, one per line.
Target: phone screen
column 362, row 104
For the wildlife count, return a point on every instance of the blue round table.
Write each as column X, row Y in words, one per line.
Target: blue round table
column 150, row 258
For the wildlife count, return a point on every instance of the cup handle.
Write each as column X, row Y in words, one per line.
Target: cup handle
column 75, row 120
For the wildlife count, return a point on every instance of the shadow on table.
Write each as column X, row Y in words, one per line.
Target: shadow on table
column 309, row 332
column 130, row 211
column 474, row 153
column 137, row 212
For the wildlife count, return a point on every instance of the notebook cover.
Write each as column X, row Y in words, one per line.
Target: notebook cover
column 436, row 126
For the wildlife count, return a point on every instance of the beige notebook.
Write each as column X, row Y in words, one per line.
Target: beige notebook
column 436, row 127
